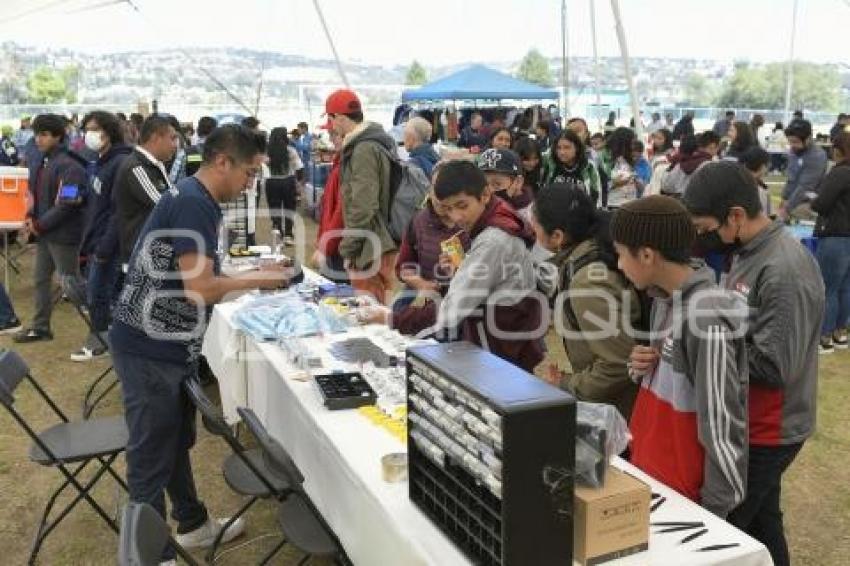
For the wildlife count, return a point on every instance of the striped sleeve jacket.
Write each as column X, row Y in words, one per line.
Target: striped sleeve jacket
column 138, row 187
column 689, row 423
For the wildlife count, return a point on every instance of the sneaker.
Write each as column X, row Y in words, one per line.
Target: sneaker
column 826, row 346
column 288, row 241
column 171, row 562
column 840, row 339
column 11, row 327
column 32, row 335
column 204, row 536
column 86, row 354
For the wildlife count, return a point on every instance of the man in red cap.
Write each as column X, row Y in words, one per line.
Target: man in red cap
column 367, row 248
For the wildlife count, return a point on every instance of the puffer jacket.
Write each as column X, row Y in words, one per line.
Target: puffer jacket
column 57, row 222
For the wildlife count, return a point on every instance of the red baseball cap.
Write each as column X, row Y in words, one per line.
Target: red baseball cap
column 342, row 101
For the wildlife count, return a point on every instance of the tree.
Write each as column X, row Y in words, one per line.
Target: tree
column 45, row 86
column 816, row 87
column 71, row 76
column 699, row 91
column 535, row 69
column 416, row 74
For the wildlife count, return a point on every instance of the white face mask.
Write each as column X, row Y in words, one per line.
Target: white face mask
column 94, row 140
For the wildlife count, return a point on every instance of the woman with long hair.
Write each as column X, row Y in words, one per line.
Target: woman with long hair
column 568, row 224
column 662, row 151
column 532, row 162
column 568, row 163
column 741, row 139
column 281, row 188
column 619, row 164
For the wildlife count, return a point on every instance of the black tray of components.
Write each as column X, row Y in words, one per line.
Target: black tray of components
column 345, row 390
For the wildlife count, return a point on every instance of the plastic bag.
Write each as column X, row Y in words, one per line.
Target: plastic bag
column 286, row 315
column 601, row 434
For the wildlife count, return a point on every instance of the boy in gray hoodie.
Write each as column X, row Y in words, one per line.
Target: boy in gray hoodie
column 689, row 422
column 784, row 289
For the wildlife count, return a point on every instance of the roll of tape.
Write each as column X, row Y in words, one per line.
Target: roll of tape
column 394, row 467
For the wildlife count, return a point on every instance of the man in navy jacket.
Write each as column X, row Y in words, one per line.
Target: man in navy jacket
column 57, row 185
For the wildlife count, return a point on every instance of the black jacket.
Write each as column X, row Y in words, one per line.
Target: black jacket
column 56, row 222
column 683, row 128
column 101, row 234
column 137, row 189
column 833, row 202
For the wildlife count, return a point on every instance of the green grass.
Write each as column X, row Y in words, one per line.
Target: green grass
column 816, row 495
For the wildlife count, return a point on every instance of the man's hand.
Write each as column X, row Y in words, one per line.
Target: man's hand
column 274, row 275
column 374, row 314
column 643, row 360
column 317, row 260
column 553, row 375
column 447, row 266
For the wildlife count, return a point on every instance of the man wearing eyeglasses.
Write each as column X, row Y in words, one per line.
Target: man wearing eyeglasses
column 174, row 279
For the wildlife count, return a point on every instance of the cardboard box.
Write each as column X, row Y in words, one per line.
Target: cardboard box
column 613, row 521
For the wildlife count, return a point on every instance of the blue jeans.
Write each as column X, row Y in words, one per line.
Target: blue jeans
column 833, row 255
column 7, row 311
column 161, row 420
column 102, row 291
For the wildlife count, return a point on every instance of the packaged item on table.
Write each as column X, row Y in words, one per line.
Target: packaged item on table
column 453, row 247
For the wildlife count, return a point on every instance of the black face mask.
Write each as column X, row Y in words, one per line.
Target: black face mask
column 710, row 241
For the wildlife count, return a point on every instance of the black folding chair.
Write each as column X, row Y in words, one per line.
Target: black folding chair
column 75, row 290
column 300, row 521
column 245, row 471
column 144, row 534
column 67, row 443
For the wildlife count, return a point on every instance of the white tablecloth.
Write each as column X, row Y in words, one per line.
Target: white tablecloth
column 339, row 453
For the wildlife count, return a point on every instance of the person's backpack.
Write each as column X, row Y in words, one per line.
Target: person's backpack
column 573, row 267
column 409, row 188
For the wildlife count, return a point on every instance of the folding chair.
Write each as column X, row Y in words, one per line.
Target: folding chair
column 245, row 471
column 300, row 521
column 75, row 290
column 64, row 444
column 144, row 534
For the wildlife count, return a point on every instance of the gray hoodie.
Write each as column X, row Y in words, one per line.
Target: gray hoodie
column 689, row 422
column 784, row 290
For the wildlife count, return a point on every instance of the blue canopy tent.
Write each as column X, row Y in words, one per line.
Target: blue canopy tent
column 478, row 83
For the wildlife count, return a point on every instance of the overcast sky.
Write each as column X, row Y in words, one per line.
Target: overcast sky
column 439, row 32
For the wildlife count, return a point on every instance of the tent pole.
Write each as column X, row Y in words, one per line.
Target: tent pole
column 597, row 79
column 624, row 52
column 789, row 79
column 565, row 65
column 331, row 42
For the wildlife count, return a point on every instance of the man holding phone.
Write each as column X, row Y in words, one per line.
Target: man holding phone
column 57, row 185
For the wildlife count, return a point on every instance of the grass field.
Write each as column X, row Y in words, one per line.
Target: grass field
column 816, row 494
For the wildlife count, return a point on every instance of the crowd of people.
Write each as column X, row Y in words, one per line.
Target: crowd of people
column 715, row 368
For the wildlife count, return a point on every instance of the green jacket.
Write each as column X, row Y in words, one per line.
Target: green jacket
column 589, row 175
column 365, row 188
column 599, row 372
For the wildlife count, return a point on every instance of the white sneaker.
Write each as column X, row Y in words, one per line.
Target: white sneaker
column 86, row 354
column 204, row 536
column 171, row 562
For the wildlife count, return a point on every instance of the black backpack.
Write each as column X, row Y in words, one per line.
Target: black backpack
column 573, row 267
